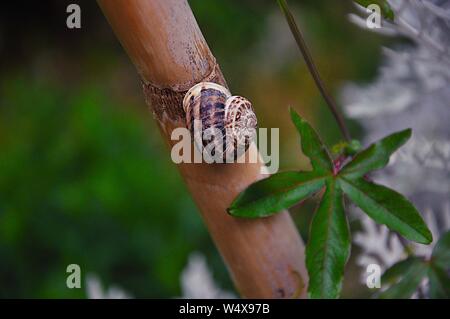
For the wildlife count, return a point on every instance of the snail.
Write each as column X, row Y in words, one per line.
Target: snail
column 223, row 124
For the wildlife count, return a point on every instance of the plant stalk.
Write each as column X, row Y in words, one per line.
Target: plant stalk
column 313, row 69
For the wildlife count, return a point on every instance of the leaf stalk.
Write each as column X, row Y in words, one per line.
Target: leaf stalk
column 298, row 36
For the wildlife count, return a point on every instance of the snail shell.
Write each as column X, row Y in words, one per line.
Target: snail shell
column 210, row 108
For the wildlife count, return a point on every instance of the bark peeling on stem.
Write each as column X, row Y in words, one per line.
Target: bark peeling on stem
column 165, row 101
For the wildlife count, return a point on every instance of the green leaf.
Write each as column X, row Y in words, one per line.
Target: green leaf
column 384, row 5
column 312, row 146
column 275, row 193
column 375, row 156
column 329, row 245
column 388, row 207
column 329, row 242
column 408, row 282
column 441, row 252
column 393, row 274
column 439, row 283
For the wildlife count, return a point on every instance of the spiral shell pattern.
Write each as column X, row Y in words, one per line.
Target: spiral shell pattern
column 224, row 123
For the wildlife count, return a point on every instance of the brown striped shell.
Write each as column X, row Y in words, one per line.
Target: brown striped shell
column 212, row 112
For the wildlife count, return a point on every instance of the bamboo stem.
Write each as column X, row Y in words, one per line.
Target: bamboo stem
column 266, row 256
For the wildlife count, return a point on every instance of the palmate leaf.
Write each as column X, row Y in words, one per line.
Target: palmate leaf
column 408, row 283
column 273, row 194
column 387, row 207
column 438, row 276
column 397, row 271
column 439, row 282
column 441, row 252
column 405, row 277
column 328, row 247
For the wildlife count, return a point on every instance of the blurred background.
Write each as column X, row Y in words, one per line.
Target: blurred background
column 84, row 175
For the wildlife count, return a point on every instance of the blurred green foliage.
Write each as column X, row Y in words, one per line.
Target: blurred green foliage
column 80, row 183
